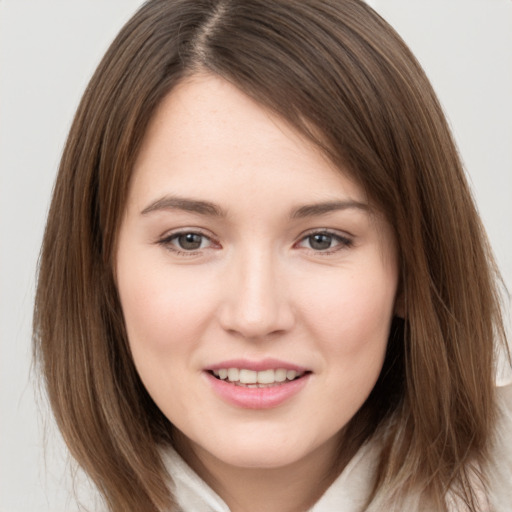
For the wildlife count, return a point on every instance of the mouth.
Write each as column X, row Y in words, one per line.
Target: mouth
column 264, row 384
column 247, row 378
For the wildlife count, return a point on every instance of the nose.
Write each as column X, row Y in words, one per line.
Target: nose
column 256, row 302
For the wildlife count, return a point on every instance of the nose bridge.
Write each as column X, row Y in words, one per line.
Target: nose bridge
column 256, row 302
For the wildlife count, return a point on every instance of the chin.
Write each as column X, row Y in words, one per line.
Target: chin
column 262, row 448
column 259, row 456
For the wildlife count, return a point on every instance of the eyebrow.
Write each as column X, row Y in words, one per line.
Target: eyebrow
column 188, row 205
column 211, row 209
column 315, row 209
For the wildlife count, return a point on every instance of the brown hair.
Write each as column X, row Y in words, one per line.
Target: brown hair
column 340, row 74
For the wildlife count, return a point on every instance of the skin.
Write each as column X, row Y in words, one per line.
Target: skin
column 259, row 285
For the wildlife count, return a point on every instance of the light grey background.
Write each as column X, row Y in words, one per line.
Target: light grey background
column 48, row 51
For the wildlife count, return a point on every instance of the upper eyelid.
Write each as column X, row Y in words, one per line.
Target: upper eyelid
column 181, row 231
column 330, row 231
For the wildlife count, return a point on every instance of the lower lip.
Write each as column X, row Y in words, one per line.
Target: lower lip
column 257, row 398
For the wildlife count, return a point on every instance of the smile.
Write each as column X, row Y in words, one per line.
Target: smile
column 264, row 385
column 256, row 379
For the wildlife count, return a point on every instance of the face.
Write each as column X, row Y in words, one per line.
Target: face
column 257, row 286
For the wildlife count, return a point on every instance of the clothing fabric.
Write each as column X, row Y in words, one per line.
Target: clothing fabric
column 350, row 490
column 348, row 493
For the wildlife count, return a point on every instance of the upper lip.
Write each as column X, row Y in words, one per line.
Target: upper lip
column 257, row 366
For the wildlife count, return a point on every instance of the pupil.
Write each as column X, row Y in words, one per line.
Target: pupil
column 320, row 242
column 190, row 241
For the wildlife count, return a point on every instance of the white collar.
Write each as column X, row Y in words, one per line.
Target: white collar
column 348, row 492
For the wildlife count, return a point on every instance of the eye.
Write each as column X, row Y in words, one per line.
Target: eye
column 325, row 241
column 186, row 242
column 190, row 241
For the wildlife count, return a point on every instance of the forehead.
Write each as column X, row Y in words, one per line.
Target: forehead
column 207, row 134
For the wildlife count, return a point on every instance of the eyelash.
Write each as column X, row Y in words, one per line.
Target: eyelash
column 168, row 240
column 342, row 242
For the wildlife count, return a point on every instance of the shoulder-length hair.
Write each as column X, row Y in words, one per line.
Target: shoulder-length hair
column 340, row 75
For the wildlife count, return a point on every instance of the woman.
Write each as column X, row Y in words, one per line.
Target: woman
column 264, row 284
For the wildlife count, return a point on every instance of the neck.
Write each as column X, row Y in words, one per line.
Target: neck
column 295, row 487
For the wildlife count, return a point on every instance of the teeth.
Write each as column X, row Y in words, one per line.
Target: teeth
column 266, row 377
column 253, row 379
column 233, row 374
column 280, row 375
column 291, row 374
column 248, row 377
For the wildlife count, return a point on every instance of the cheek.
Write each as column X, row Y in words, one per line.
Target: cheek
column 165, row 323
column 351, row 330
column 353, row 310
column 161, row 308
column 350, row 321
